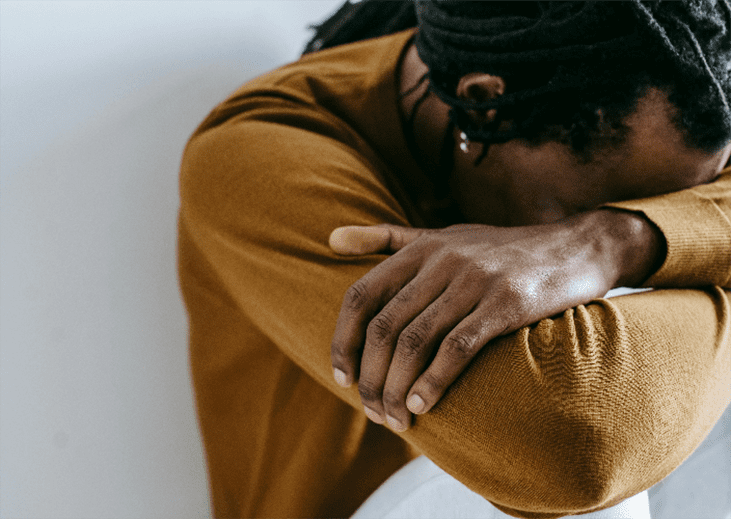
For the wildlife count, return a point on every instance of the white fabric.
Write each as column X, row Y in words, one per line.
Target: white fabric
column 422, row 490
column 97, row 418
column 699, row 488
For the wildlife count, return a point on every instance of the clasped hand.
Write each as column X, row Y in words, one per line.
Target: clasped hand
column 411, row 325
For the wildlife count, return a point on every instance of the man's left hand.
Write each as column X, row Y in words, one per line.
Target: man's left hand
column 409, row 327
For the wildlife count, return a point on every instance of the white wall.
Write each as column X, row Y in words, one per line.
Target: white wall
column 97, row 101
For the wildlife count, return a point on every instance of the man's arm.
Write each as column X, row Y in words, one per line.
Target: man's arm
column 411, row 326
column 571, row 414
column 696, row 226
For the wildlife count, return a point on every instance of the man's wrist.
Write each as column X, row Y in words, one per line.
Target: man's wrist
column 637, row 246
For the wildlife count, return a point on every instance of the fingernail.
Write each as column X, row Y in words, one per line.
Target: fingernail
column 341, row 378
column 373, row 415
column 395, row 424
column 415, row 404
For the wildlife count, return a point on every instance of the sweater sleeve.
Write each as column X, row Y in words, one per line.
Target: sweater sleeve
column 696, row 224
column 572, row 414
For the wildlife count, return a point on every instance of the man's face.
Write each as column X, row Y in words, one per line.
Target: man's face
column 522, row 184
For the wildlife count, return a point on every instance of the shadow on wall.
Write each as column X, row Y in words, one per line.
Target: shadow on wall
column 94, row 335
column 97, row 412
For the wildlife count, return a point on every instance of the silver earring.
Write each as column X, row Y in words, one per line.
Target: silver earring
column 465, row 144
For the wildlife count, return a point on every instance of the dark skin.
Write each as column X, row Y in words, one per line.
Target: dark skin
column 536, row 245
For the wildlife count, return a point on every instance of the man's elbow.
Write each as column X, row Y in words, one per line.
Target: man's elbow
column 591, row 462
column 605, row 457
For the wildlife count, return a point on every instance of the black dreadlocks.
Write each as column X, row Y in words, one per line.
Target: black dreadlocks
column 573, row 70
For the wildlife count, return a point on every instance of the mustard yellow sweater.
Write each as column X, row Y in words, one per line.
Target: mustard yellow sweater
column 569, row 415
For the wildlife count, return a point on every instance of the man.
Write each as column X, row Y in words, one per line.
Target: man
column 568, row 415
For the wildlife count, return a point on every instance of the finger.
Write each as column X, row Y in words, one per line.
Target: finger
column 382, row 335
column 363, row 240
column 455, row 353
column 415, row 349
column 361, row 303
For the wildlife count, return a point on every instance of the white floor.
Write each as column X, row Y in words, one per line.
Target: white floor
column 97, row 101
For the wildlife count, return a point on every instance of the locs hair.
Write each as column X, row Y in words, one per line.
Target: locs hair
column 573, row 70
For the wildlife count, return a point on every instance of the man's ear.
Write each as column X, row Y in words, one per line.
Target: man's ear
column 480, row 87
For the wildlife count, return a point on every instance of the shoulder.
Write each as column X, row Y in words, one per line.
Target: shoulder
column 346, row 81
column 294, row 148
column 263, row 170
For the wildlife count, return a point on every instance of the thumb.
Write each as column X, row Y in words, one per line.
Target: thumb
column 363, row 240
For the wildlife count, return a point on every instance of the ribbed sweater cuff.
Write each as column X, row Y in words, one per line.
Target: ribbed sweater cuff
column 698, row 237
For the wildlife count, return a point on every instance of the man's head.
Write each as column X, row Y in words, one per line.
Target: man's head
column 579, row 103
column 521, row 183
column 573, row 72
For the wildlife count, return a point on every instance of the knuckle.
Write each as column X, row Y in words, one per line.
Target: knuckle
column 393, row 401
column 412, row 340
column 526, row 305
column 339, row 353
column 396, row 239
column 481, row 272
column 477, row 278
column 431, row 383
column 459, row 345
column 503, row 327
column 453, row 259
column 404, row 295
column 336, row 351
column 356, row 296
column 514, row 287
column 369, row 393
column 380, row 328
column 520, row 300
